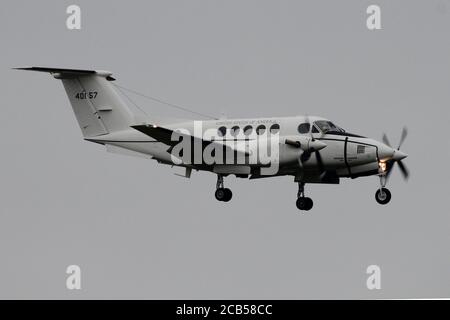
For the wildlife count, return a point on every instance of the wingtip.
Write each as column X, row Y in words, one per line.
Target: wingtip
column 21, row 68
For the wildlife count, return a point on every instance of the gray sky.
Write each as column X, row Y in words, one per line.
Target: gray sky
column 138, row 231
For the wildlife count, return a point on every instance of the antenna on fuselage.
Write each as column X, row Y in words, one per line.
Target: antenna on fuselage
column 164, row 102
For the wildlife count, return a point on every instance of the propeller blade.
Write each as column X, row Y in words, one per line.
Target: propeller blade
column 403, row 169
column 320, row 162
column 386, row 140
column 301, row 158
column 403, row 137
column 310, row 127
column 293, row 143
column 305, row 156
column 390, row 166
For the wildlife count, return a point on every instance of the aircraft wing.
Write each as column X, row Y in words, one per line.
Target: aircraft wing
column 164, row 135
column 158, row 133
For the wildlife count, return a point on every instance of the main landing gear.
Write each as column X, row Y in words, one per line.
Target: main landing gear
column 222, row 194
column 383, row 195
column 303, row 203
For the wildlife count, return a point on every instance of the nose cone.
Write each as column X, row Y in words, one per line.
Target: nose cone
column 387, row 153
column 317, row 145
column 398, row 155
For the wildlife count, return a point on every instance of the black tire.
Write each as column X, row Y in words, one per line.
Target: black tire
column 228, row 195
column 383, row 196
column 301, row 203
column 309, row 204
column 220, row 194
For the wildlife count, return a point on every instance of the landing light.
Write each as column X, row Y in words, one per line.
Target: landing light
column 382, row 166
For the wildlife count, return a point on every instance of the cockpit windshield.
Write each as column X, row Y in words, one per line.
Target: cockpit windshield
column 327, row 126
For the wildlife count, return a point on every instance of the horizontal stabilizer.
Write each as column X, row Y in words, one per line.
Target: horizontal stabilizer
column 60, row 73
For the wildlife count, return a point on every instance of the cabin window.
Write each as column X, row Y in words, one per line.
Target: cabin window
column 275, row 128
column 222, row 131
column 304, row 128
column 248, row 130
column 260, row 129
column 314, row 130
column 235, row 131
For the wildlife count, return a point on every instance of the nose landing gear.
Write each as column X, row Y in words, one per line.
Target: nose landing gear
column 383, row 195
column 303, row 203
column 222, row 194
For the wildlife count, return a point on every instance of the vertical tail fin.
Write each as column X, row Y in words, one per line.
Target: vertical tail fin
column 96, row 104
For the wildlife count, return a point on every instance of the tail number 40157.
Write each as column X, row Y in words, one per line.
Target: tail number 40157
column 86, row 95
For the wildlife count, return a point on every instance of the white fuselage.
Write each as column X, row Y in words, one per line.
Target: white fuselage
column 345, row 155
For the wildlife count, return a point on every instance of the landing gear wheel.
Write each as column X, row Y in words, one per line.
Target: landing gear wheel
column 223, row 194
column 228, row 195
column 301, row 203
column 383, row 196
column 309, row 204
column 304, row 203
column 220, row 194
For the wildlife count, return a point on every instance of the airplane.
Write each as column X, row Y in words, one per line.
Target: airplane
column 311, row 149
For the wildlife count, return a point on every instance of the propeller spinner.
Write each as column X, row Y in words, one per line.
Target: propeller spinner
column 398, row 155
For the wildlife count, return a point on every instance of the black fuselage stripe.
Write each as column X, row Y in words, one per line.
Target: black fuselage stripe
column 352, row 141
column 122, row 141
column 345, row 156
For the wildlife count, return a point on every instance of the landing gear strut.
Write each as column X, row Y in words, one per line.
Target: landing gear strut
column 303, row 203
column 383, row 195
column 222, row 194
